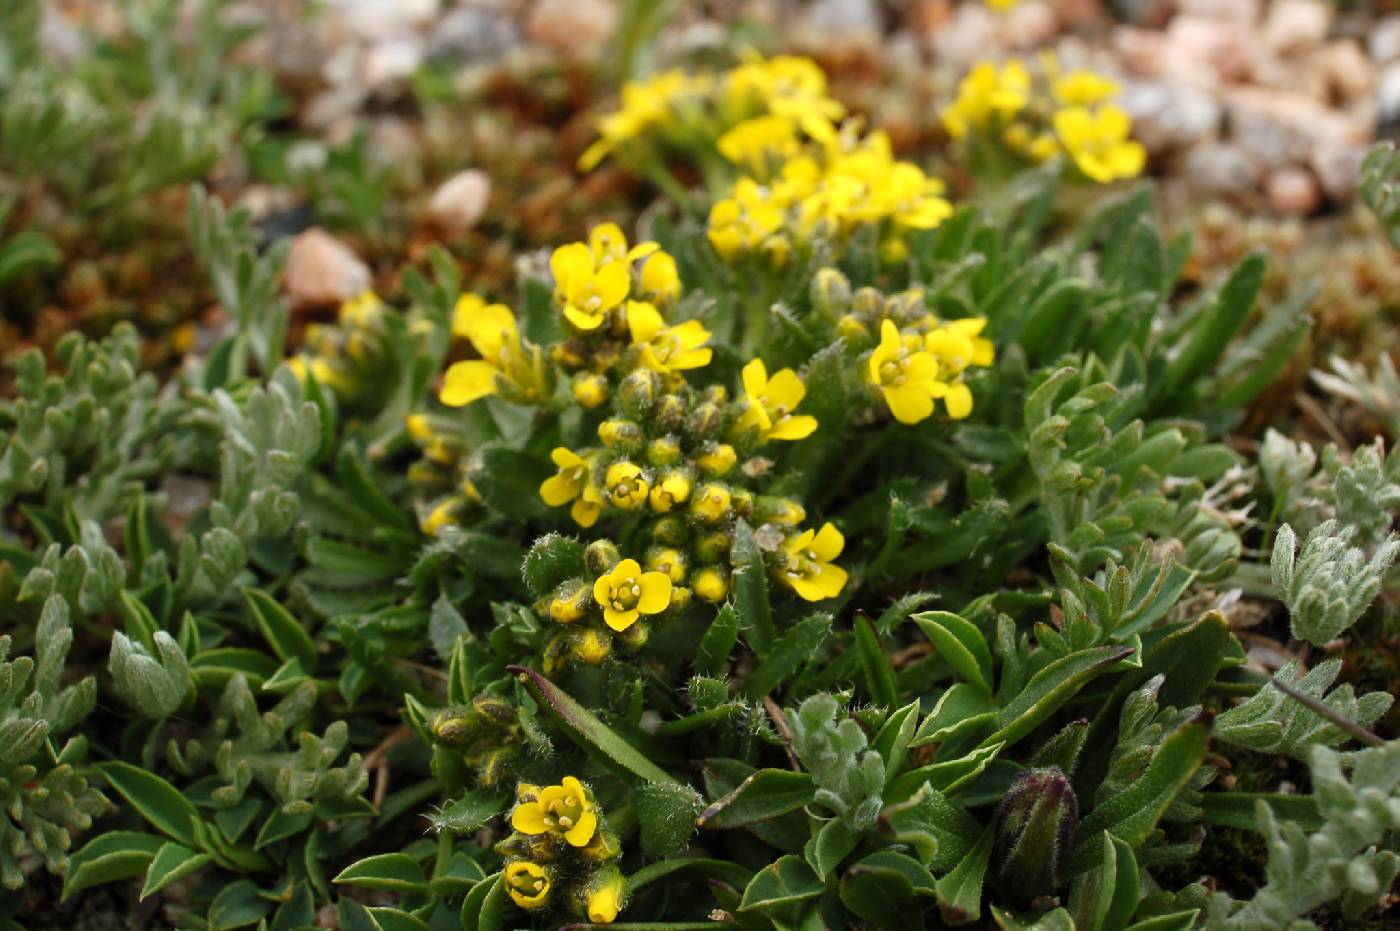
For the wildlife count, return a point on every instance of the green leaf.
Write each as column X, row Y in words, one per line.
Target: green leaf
column 1176, row 921
column 718, row 642
column 1133, row 813
column 935, row 826
column 784, row 882
column 236, row 906
column 1216, row 326
column 787, row 655
column 156, row 800
column 586, row 730
column 1105, row 899
column 883, row 889
column 469, row 812
column 961, row 644
column 677, row 868
column 1049, row 689
column 833, row 843
column 393, row 919
column 879, row 674
column 666, row 812
column 110, row 857
column 172, row 862
column 765, row 794
column 960, row 892
column 288, row 639
column 1189, row 658
column 483, row 909
column 892, row 740
column 385, row 872
column 751, row 591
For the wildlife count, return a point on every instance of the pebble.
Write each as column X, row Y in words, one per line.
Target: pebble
column 1239, row 11
column 459, row 204
column 468, row 36
column 1220, row 168
column 1207, row 51
column 1346, row 70
column 966, row 38
column 393, row 60
column 1338, row 168
column 321, row 270
column 577, row 27
column 1170, row 116
column 1297, row 24
column 1029, row 25
column 1278, row 128
column 1293, row 192
column 1388, row 93
column 1383, row 39
column 842, row 22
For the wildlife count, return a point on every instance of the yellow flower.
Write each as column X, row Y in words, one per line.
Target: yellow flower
column 711, row 584
column 604, row 899
column 673, row 489
column 587, row 289
column 788, row 86
column 987, row 94
column 361, row 310
column 667, row 349
column 647, row 107
column 914, row 199
column 908, row 378
column 627, row 592
column 760, row 145
column 609, row 244
column 570, row 602
column 443, row 515
column 1002, row 5
column 809, row 569
column 661, row 281
column 492, row 332
column 717, row 459
column 746, row 221
column 565, row 809
column 574, row 482
column 957, row 345
column 527, row 883
column 771, row 402
column 626, row 485
column 1098, row 142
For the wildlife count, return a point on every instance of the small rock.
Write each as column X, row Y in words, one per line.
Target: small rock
column 843, row 22
column 469, row 36
column 1293, row 192
column 1169, row 116
column 1239, row 11
column 578, row 27
column 1205, row 52
column 1029, row 25
column 1277, row 128
column 1220, row 168
column 1338, row 169
column 1383, row 39
column 1142, row 51
column 375, row 20
column 1297, row 24
column 321, row 270
column 460, row 203
column 964, row 40
column 1388, row 93
column 1346, row 70
column 390, row 61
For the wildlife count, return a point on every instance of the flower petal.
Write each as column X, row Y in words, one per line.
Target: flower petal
column 558, row 490
column 580, row 834
column 643, row 321
column 795, row 427
column 619, row 620
column 465, row 382
column 656, row 592
column 828, row 543
column 529, row 818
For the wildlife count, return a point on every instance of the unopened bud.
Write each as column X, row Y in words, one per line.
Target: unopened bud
column 1034, row 827
column 831, row 292
column 600, row 556
column 637, row 393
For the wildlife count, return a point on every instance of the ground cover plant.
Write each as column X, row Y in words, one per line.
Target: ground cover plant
column 817, row 549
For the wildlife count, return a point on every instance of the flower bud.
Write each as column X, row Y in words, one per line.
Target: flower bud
column 568, row 354
column 672, row 489
column 664, row 451
column 831, row 292
column 591, row 647
column 670, row 413
column 570, row 601
column 717, row 459
column 713, row 546
column 600, row 556
column 453, row 727
column 495, row 711
column 667, row 560
column 621, row 436
column 603, row 896
column 706, row 420
column 590, row 390
column 626, row 485
column 711, row 503
column 851, row 329
column 711, row 584
column 715, row 394
column 867, row 304
column 771, row 509
column 635, row 636
column 557, row 653
column 495, row 769
column 670, row 530
column 528, row 884
column 1034, row 826
column 637, row 393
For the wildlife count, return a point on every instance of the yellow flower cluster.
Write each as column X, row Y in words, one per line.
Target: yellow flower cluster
column 804, row 184
column 508, row 364
column 914, row 359
column 350, row 355
column 562, row 851
column 1067, row 114
column 675, row 111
